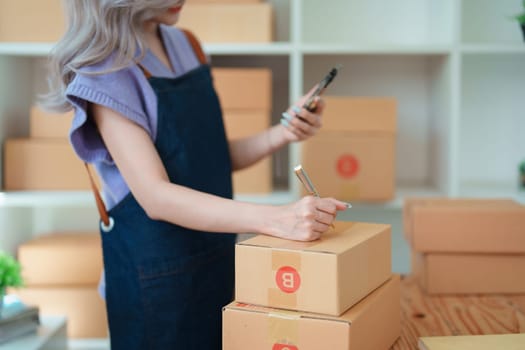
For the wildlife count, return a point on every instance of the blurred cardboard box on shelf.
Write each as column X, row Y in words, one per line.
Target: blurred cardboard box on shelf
column 84, row 308
column 31, row 21
column 61, row 259
column 246, row 98
column 42, row 164
column 242, row 123
column 464, row 225
column 229, row 23
column 325, row 276
column 353, row 156
column 373, row 323
column 243, row 88
column 440, row 273
column 49, row 125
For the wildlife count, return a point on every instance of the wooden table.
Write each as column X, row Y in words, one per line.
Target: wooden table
column 425, row 315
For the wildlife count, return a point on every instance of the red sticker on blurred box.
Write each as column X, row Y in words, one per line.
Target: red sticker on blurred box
column 347, row 166
column 288, row 279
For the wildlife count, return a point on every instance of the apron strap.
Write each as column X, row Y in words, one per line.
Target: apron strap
column 98, row 199
column 196, row 46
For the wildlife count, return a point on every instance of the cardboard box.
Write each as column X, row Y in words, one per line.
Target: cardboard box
column 465, row 225
column 31, row 21
column 353, row 156
column 244, row 88
column 326, row 276
column 372, row 324
column 242, row 123
column 61, row 259
column 234, row 23
column 49, row 125
column 84, row 308
column 440, row 273
column 478, row 342
column 43, row 164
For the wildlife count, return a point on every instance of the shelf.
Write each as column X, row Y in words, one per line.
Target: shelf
column 32, row 199
column 26, row 49
column 347, row 49
column 493, row 49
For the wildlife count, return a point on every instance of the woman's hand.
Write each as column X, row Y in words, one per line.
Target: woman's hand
column 306, row 219
column 299, row 123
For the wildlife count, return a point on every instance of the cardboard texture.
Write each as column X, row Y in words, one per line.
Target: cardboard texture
column 61, row 259
column 235, row 23
column 470, row 273
column 465, row 225
column 244, row 88
column 43, row 164
column 474, row 342
column 31, row 21
column 84, row 308
column 242, row 123
column 49, row 125
column 372, row 324
column 353, row 156
column 325, row 276
column 226, row 1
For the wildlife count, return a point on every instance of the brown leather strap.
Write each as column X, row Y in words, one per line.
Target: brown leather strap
column 146, row 72
column 195, row 44
column 98, row 199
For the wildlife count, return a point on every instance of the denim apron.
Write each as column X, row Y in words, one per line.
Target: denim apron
column 166, row 284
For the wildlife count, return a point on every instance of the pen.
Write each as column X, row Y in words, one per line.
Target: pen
column 307, row 183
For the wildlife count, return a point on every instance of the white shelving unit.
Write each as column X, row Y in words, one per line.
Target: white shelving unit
column 455, row 67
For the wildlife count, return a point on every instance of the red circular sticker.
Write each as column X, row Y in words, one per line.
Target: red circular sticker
column 284, row 347
column 347, row 166
column 288, row 279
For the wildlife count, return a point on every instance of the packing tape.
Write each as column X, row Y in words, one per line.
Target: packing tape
column 283, row 327
column 282, row 259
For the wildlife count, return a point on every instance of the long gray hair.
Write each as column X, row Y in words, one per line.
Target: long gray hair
column 97, row 29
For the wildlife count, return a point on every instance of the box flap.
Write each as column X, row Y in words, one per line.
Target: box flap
column 345, row 236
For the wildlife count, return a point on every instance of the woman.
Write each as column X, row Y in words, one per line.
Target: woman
column 148, row 118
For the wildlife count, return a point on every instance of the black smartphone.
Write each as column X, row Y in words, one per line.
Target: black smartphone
column 311, row 104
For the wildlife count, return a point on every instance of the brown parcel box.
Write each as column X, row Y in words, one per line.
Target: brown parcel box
column 242, row 123
column 353, row 157
column 42, row 164
column 61, row 259
column 31, row 21
column 244, row 88
column 477, row 342
column 465, row 225
column 325, row 276
column 440, row 273
column 372, row 324
column 49, row 125
column 84, row 308
column 235, row 23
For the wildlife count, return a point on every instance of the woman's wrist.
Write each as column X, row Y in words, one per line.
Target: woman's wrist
column 276, row 138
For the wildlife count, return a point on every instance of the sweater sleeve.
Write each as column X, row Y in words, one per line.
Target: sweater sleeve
column 125, row 91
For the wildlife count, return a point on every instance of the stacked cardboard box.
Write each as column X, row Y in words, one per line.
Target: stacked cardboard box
column 353, row 156
column 235, row 21
column 45, row 160
column 466, row 246
column 333, row 293
column 61, row 273
column 246, row 99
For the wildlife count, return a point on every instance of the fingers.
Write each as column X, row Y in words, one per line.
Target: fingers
column 301, row 122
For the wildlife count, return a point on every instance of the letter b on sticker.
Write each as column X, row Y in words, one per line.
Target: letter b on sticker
column 288, row 279
column 284, row 347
